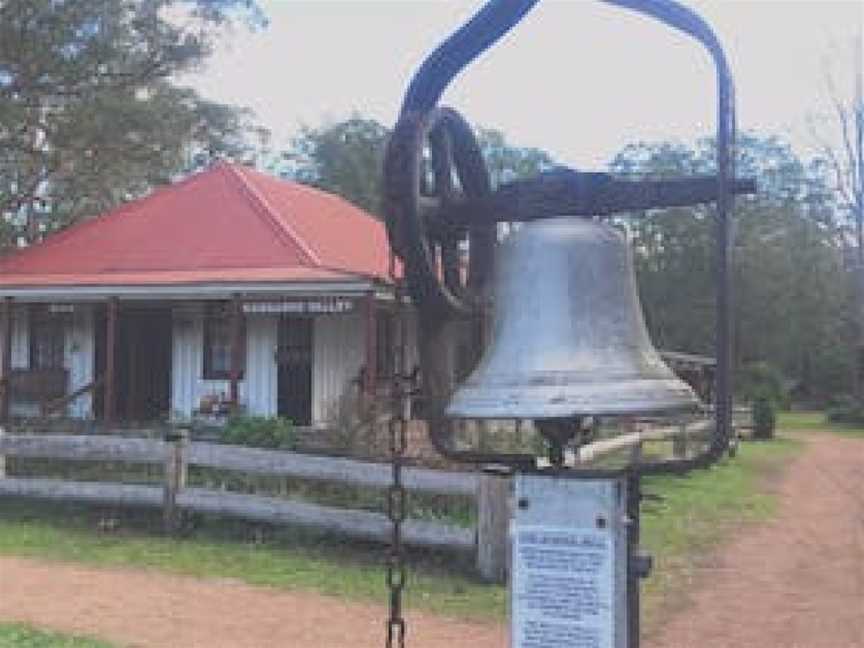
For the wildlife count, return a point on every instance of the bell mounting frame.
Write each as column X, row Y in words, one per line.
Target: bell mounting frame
column 416, row 229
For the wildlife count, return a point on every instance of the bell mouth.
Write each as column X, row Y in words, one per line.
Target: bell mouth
column 541, row 402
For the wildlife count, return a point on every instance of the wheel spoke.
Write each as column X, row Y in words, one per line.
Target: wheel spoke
column 450, row 267
column 441, row 149
column 429, row 208
column 436, row 223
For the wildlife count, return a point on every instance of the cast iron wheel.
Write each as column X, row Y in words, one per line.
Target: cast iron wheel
column 434, row 163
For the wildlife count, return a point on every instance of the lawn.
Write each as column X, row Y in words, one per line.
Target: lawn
column 289, row 559
column 816, row 421
column 695, row 513
column 14, row 635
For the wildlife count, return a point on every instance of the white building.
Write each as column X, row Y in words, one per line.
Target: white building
column 230, row 288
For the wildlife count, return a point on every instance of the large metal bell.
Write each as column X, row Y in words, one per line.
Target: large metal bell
column 568, row 335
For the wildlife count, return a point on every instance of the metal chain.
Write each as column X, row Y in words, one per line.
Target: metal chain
column 396, row 494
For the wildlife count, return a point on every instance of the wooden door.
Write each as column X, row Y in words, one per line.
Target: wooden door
column 294, row 358
column 143, row 363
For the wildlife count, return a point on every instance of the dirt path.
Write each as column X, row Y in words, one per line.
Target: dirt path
column 797, row 582
column 137, row 608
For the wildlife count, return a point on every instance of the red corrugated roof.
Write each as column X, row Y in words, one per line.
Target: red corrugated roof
column 228, row 223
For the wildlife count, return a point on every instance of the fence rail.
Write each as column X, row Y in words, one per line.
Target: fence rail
column 249, row 460
column 358, row 524
column 72, row 447
column 593, row 451
column 90, row 492
column 350, row 471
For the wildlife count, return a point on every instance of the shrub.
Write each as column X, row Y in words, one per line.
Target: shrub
column 260, row 432
column 762, row 380
column 764, row 419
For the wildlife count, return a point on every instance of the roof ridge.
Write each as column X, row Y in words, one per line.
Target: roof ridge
column 285, row 233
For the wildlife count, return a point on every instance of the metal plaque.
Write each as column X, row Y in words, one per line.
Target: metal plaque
column 569, row 563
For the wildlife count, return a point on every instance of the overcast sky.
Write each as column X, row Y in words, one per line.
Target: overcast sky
column 577, row 77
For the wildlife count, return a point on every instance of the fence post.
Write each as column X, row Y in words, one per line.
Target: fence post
column 632, row 425
column 636, row 449
column 175, row 476
column 493, row 526
column 679, row 442
column 2, row 456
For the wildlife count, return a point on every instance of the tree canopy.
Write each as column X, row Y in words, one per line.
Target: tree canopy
column 507, row 162
column 89, row 115
column 345, row 158
column 791, row 289
column 844, row 161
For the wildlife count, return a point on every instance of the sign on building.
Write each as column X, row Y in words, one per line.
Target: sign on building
column 319, row 306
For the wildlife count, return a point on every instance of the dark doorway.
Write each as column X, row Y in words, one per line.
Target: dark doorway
column 142, row 362
column 294, row 359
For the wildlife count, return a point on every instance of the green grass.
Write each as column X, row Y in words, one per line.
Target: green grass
column 286, row 559
column 697, row 512
column 14, row 635
column 802, row 421
column 810, row 421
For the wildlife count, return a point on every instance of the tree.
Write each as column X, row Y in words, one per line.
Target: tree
column 89, row 116
column 345, row 158
column 790, row 297
column 846, row 159
column 846, row 164
column 507, row 162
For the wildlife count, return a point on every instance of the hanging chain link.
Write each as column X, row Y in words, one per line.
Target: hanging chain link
column 396, row 494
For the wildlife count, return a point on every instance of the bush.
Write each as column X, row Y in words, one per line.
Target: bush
column 762, row 380
column 260, row 432
column 764, row 419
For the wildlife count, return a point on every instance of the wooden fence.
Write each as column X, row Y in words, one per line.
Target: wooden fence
column 174, row 495
column 488, row 540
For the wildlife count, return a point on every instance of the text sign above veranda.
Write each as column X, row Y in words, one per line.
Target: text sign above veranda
column 321, row 306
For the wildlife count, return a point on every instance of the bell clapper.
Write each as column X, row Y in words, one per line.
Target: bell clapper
column 558, row 432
